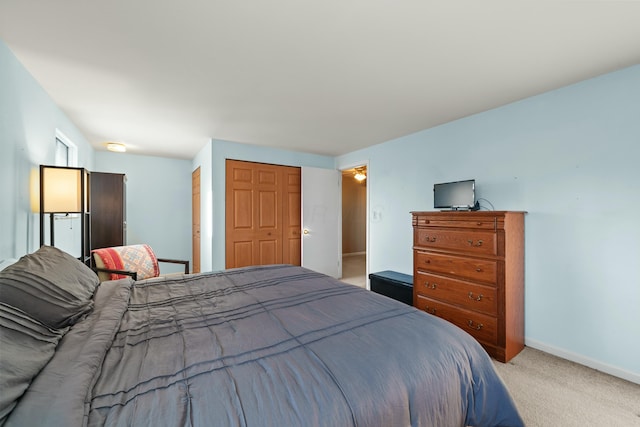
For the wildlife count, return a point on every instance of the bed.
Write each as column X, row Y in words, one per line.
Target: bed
column 259, row 346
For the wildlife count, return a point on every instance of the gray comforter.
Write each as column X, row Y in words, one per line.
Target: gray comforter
column 262, row 346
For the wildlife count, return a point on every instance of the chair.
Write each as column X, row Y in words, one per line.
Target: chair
column 137, row 261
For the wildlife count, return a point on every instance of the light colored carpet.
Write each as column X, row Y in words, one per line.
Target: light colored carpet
column 354, row 270
column 550, row 391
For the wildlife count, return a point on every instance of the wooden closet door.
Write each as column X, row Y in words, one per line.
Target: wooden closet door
column 292, row 220
column 254, row 206
column 267, row 195
column 263, row 214
column 195, row 216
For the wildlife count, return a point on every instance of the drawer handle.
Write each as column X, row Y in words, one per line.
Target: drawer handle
column 429, row 239
column 476, row 326
column 430, row 310
column 477, row 245
column 478, row 298
column 430, row 285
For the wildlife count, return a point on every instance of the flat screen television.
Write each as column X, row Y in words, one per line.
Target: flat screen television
column 458, row 195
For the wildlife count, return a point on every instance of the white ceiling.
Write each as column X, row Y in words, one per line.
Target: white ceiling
column 327, row 77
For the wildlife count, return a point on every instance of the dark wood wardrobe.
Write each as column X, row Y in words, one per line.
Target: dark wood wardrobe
column 108, row 209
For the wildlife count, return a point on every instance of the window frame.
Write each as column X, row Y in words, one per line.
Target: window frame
column 72, row 150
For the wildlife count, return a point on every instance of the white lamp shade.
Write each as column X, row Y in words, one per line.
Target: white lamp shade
column 61, row 190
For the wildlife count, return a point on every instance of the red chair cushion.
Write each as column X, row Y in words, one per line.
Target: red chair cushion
column 138, row 258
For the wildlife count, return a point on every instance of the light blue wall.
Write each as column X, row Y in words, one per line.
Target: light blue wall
column 158, row 202
column 203, row 161
column 28, row 123
column 571, row 159
column 222, row 150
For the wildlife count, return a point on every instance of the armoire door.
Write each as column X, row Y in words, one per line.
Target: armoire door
column 262, row 211
column 107, row 203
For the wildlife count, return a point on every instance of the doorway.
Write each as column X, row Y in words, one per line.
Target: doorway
column 354, row 225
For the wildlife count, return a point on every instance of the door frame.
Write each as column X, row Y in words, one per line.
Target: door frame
column 367, row 226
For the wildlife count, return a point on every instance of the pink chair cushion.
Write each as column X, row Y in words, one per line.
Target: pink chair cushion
column 138, row 258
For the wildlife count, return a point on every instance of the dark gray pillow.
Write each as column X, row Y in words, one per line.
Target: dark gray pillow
column 27, row 346
column 50, row 285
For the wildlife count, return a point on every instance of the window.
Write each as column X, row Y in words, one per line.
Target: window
column 66, row 151
column 66, row 154
column 62, row 153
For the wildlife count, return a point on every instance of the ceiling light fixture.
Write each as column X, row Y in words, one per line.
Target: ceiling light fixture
column 116, row 147
column 360, row 174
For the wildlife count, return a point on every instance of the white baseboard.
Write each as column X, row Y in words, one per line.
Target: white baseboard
column 355, row 253
column 577, row 358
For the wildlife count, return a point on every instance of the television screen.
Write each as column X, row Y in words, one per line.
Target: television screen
column 457, row 195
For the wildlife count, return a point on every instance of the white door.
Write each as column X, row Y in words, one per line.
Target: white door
column 321, row 221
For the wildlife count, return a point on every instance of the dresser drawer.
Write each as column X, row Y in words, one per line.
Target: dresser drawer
column 457, row 292
column 480, row 326
column 482, row 224
column 476, row 242
column 467, row 268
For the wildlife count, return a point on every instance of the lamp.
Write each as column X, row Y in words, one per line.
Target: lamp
column 63, row 190
column 360, row 174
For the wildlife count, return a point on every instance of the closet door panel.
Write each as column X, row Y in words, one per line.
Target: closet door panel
column 262, row 207
column 292, row 220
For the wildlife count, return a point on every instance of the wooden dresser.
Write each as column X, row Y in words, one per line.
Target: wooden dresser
column 468, row 268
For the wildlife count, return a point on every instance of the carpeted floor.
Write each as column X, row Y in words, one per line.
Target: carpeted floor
column 354, row 270
column 550, row 391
